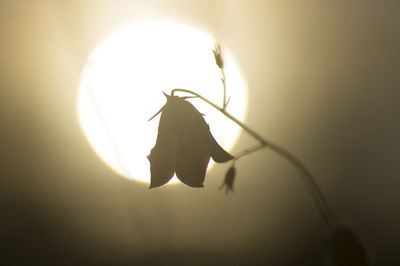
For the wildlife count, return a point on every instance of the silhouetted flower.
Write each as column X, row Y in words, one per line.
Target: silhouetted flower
column 229, row 179
column 218, row 56
column 184, row 145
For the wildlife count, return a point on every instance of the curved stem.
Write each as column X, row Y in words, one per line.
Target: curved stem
column 222, row 110
column 248, row 151
column 309, row 181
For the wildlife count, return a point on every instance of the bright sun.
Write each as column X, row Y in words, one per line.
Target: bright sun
column 121, row 88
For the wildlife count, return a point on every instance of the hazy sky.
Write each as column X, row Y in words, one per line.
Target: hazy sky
column 323, row 81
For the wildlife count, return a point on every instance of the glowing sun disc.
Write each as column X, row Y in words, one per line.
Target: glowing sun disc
column 121, row 88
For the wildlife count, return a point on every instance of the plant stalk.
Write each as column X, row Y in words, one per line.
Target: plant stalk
column 313, row 188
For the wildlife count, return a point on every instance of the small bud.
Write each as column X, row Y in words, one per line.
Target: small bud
column 229, row 179
column 218, row 56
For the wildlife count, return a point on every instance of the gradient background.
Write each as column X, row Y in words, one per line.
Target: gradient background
column 323, row 82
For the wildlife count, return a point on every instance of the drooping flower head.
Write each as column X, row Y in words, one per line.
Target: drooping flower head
column 184, row 145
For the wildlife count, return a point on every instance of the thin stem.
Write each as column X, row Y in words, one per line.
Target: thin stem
column 222, row 110
column 248, row 151
column 107, row 130
column 224, row 85
column 307, row 177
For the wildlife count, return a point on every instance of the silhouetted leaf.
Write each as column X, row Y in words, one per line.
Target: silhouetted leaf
column 184, row 145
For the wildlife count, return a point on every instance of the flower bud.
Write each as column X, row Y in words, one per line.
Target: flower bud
column 229, row 179
column 218, row 56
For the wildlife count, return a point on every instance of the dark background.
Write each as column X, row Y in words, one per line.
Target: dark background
column 323, row 81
